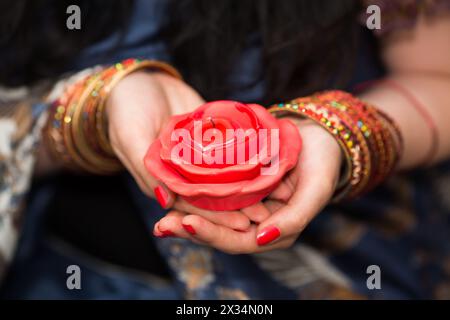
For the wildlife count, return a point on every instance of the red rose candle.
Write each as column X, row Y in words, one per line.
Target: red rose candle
column 225, row 155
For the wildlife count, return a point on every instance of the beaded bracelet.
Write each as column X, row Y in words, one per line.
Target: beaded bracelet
column 369, row 123
column 76, row 132
column 369, row 139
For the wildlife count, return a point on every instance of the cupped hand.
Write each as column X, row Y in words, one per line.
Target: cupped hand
column 279, row 220
column 137, row 109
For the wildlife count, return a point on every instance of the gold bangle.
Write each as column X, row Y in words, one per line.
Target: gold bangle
column 81, row 111
column 104, row 93
column 67, row 126
column 101, row 163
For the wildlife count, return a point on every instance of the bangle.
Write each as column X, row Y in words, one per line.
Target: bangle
column 88, row 151
column 375, row 129
column 369, row 139
column 76, row 131
column 123, row 69
column 312, row 108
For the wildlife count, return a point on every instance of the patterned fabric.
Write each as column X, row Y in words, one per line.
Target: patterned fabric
column 402, row 227
column 19, row 134
column 22, row 117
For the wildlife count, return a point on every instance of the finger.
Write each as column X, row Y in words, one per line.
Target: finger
column 156, row 231
column 133, row 160
column 171, row 225
column 127, row 164
column 225, row 239
column 164, row 196
column 147, row 183
column 291, row 219
column 283, row 191
column 274, row 205
column 220, row 237
column 312, row 193
column 257, row 212
column 231, row 219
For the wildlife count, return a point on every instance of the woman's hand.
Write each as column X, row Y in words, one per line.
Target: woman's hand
column 286, row 212
column 137, row 109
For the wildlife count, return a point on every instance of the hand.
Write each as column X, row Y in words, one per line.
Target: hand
column 281, row 218
column 137, row 109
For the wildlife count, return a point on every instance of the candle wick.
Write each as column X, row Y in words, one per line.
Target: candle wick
column 212, row 121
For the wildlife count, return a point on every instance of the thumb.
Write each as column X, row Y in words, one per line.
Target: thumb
column 164, row 196
column 290, row 219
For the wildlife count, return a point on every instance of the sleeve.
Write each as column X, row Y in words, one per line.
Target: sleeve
column 21, row 119
column 23, row 114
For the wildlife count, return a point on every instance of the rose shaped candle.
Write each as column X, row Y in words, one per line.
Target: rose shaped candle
column 225, row 155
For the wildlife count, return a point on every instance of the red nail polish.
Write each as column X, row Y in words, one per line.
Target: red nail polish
column 189, row 228
column 168, row 233
column 267, row 235
column 161, row 195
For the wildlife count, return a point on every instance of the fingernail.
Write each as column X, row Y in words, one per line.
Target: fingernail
column 160, row 235
column 267, row 235
column 168, row 233
column 161, row 195
column 189, row 228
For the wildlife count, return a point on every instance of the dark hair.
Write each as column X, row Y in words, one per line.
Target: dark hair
column 304, row 43
column 34, row 40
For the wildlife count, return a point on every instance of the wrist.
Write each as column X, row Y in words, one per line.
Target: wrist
column 80, row 134
column 121, row 91
column 138, row 89
column 367, row 137
column 312, row 132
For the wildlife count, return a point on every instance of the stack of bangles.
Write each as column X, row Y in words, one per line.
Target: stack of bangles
column 76, row 133
column 370, row 140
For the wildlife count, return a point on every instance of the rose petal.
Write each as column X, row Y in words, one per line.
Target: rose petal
column 216, row 173
column 197, row 174
column 290, row 146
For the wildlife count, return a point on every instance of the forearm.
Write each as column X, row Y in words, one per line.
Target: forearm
column 417, row 59
column 433, row 93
